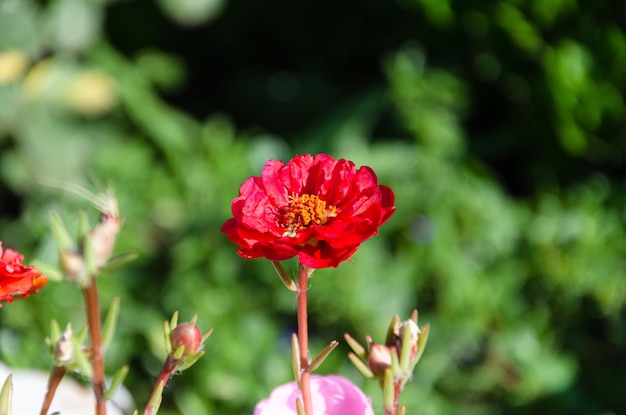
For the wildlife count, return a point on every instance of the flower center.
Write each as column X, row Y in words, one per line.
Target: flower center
column 304, row 211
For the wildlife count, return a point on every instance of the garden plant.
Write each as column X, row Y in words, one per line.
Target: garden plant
column 487, row 138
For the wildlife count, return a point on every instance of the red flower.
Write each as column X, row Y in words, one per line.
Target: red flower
column 16, row 279
column 315, row 207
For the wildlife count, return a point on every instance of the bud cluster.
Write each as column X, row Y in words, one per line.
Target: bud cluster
column 396, row 357
column 91, row 254
column 184, row 346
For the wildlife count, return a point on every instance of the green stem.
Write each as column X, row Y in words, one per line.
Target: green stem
column 303, row 337
column 90, row 294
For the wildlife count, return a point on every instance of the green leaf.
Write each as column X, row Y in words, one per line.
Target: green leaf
column 55, row 331
column 116, row 381
column 110, row 323
column 295, row 357
column 118, row 261
column 284, row 277
column 157, row 397
column 405, row 353
column 356, row 346
column 300, row 407
column 319, row 359
column 178, row 353
column 81, row 360
column 361, row 366
column 84, row 228
column 388, row 390
column 174, row 320
column 395, row 361
column 82, row 334
column 421, row 343
column 392, row 330
column 89, row 251
column 6, row 396
column 60, row 233
column 167, row 335
column 206, row 335
column 189, row 361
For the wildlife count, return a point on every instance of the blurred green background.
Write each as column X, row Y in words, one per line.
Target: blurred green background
column 500, row 125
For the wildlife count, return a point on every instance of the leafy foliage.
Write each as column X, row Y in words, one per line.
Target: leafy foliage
column 499, row 126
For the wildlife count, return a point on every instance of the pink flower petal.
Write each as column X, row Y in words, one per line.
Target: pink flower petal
column 332, row 395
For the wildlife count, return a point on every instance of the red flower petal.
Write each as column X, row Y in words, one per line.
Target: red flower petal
column 315, row 207
column 16, row 279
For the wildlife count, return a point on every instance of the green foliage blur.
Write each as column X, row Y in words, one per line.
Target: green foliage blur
column 500, row 125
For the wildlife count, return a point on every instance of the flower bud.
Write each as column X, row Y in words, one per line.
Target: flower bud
column 103, row 237
column 379, row 359
column 74, row 266
column 413, row 335
column 187, row 335
column 393, row 362
column 397, row 334
column 63, row 349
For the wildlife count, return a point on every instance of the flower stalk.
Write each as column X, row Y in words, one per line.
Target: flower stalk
column 391, row 394
column 92, row 307
column 184, row 346
column 303, row 338
column 56, row 376
column 156, row 396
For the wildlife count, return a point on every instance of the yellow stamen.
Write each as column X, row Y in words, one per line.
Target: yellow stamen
column 304, row 211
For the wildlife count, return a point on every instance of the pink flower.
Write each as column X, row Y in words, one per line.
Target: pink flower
column 332, row 395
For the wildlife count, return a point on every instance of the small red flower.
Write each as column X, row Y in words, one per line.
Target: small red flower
column 315, row 207
column 16, row 279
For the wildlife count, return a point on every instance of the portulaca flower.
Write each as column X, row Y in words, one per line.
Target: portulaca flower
column 332, row 395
